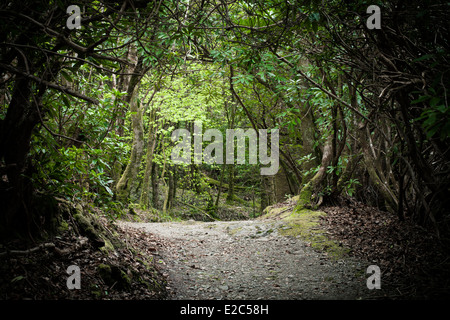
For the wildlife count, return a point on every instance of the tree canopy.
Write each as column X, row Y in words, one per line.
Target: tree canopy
column 87, row 114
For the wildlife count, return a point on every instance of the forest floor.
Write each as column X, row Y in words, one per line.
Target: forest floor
column 247, row 260
column 240, row 259
column 126, row 273
column 255, row 259
column 413, row 262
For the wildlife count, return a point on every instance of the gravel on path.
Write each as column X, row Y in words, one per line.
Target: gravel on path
column 249, row 260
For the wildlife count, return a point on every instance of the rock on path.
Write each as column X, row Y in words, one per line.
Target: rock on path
column 248, row 260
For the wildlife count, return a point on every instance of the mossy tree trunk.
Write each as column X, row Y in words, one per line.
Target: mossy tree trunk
column 313, row 186
column 151, row 144
column 331, row 152
column 124, row 83
column 126, row 187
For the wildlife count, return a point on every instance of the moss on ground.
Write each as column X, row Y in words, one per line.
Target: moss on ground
column 305, row 224
column 233, row 231
column 108, row 247
column 113, row 275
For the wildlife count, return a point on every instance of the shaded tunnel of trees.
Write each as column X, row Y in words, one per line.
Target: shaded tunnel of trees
column 86, row 114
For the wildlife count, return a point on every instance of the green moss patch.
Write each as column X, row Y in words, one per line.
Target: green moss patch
column 114, row 275
column 305, row 224
column 233, row 231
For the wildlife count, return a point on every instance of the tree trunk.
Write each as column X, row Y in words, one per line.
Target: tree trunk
column 267, row 191
column 127, row 82
column 231, row 117
column 311, row 188
column 377, row 176
column 281, row 185
column 173, row 184
column 170, row 195
column 16, row 187
column 155, row 186
column 151, row 144
column 230, row 194
column 126, row 188
column 216, row 205
column 263, row 194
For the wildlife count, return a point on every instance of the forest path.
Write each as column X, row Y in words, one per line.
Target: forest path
column 248, row 260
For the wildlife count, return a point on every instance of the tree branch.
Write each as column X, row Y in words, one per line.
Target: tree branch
column 49, row 84
column 240, row 101
column 42, row 246
column 76, row 47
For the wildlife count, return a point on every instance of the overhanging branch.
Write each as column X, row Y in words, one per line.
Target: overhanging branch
column 49, row 84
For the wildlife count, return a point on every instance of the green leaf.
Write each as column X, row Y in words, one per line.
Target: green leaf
column 421, row 99
column 434, row 101
column 66, row 76
column 66, row 101
column 442, row 108
column 432, row 131
column 424, row 57
column 18, row 278
column 109, row 190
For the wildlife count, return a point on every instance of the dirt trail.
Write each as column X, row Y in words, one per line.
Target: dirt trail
column 249, row 260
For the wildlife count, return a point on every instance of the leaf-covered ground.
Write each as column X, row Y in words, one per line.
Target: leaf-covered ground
column 42, row 275
column 410, row 258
